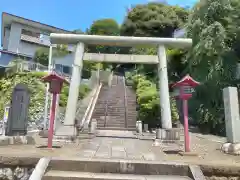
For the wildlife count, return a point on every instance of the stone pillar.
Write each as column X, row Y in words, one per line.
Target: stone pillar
column 145, row 127
column 231, row 109
column 139, row 127
column 69, row 120
column 163, row 88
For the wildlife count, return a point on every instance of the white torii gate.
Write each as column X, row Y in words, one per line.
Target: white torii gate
column 81, row 40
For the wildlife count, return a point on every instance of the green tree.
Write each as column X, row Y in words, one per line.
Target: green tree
column 154, row 20
column 78, row 31
column 212, row 59
column 107, row 27
column 42, row 54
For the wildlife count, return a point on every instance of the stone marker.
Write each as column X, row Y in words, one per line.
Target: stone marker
column 232, row 121
column 231, row 109
column 145, row 127
column 18, row 112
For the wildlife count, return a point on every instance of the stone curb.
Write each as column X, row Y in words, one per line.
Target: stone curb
column 16, row 140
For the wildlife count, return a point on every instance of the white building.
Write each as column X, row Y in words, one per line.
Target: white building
column 179, row 33
column 21, row 37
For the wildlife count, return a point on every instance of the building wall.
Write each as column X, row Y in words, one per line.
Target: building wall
column 27, row 48
column 6, row 58
column 6, row 38
column 14, row 38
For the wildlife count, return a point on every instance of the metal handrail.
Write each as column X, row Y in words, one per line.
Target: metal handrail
column 88, row 113
column 33, row 66
column 125, row 101
column 40, row 169
column 106, row 107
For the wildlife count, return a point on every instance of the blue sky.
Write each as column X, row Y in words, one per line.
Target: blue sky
column 73, row 14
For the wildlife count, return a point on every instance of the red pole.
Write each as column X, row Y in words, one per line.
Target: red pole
column 186, row 133
column 52, row 117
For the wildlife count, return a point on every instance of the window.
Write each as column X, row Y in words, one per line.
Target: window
column 30, row 33
column 66, row 69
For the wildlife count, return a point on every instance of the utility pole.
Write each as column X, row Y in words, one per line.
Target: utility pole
column 50, row 68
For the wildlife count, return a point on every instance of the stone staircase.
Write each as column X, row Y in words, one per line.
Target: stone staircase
column 99, row 169
column 113, row 111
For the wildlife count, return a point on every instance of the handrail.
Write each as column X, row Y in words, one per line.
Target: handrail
column 93, row 104
column 106, row 102
column 40, row 169
column 89, row 108
column 125, row 101
column 106, row 109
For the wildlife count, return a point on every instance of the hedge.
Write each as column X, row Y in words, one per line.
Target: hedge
column 148, row 101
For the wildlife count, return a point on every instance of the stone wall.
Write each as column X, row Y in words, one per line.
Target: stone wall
column 16, row 168
column 16, row 173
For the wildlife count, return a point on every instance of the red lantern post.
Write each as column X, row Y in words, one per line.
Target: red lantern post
column 56, row 83
column 183, row 90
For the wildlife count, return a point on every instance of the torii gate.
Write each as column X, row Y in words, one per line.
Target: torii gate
column 81, row 40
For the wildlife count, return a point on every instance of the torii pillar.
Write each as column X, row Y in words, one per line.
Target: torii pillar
column 80, row 40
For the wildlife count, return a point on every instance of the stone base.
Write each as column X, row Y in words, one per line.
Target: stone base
column 188, row 154
column 69, row 131
column 82, row 135
column 43, row 133
column 231, row 148
column 157, row 142
column 66, row 139
column 168, row 135
column 16, row 140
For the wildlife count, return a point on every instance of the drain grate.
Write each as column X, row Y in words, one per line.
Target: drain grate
column 46, row 147
column 177, row 151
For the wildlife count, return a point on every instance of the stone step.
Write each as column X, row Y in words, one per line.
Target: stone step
column 117, row 128
column 111, row 124
column 92, row 165
column 71, row 175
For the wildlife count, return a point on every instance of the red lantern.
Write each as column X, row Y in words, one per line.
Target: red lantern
column 55, row 82
column 55, row 86
column 183, row 89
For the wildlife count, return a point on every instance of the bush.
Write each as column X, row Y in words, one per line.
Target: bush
column 148, row 101
column 37, row 91
column 83, row 91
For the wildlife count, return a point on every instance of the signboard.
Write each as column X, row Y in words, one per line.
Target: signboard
column 4, row 121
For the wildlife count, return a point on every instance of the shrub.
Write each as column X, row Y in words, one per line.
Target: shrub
column 83, row 91
column 148, row 101
column 37, row 91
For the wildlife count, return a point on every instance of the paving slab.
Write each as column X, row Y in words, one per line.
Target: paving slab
column 208, row 150
column 116, row 134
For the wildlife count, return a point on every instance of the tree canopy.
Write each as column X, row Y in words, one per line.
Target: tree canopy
column 108, row 27
column 42, row 54
column 154, row 19
column 213, row 58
